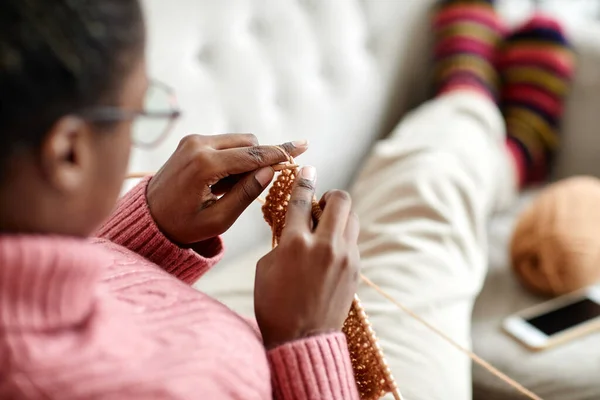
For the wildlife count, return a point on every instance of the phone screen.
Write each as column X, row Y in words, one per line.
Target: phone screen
column 566, row 317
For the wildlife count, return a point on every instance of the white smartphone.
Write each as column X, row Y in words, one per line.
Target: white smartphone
column 557, row 321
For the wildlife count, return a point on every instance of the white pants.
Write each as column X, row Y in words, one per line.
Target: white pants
column 424, row 198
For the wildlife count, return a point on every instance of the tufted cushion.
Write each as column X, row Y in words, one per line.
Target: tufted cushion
column 341, row 73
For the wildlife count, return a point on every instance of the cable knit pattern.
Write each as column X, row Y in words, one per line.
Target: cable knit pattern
column 83, row 319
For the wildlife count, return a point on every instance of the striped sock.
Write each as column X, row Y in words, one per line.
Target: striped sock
column 536, row 66
column 467, row 36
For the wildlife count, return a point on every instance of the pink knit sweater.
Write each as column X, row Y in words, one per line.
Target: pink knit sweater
column 115, row 318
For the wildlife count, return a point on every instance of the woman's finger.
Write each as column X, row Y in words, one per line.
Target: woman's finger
column 232, row 140
column 229, row 207
column 299, row 212
column 335, row 215
column 247, row 159
column 225, row 185
column 323, row 201
column 352, row 228
column 295, row 148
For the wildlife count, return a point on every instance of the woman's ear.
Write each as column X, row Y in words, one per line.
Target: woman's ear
column 66, row 154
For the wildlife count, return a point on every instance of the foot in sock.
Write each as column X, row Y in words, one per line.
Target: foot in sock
column 536, row 66
column 468, row 33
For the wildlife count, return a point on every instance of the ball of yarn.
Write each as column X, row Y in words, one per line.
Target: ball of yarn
column 555, row 247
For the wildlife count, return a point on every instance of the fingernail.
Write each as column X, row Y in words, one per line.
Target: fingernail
column 264, row 176
column 309, row 172
column 300, row 143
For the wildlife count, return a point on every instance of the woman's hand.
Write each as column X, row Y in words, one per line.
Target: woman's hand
column 183, row 196
column 305, row 286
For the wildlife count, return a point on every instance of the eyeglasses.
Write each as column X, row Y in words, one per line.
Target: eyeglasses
column 152, row 125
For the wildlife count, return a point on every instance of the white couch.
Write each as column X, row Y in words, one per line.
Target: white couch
column 341, row 73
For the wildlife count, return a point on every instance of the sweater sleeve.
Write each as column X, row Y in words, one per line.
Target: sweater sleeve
column 131, row 225
column 315, row 368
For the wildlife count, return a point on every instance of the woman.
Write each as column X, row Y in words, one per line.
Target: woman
column 115, row 318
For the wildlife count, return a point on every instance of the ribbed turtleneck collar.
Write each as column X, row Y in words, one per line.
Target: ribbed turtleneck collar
column 46, row 282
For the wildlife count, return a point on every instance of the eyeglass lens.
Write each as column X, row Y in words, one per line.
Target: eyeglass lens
column 148, row 130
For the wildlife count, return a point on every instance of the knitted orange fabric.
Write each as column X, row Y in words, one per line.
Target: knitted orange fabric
column 373, row 376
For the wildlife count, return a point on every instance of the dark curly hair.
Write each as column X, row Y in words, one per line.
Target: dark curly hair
column 58, row 57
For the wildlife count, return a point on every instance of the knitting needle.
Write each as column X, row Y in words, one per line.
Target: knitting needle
column 276, row 168
column 138, row 175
